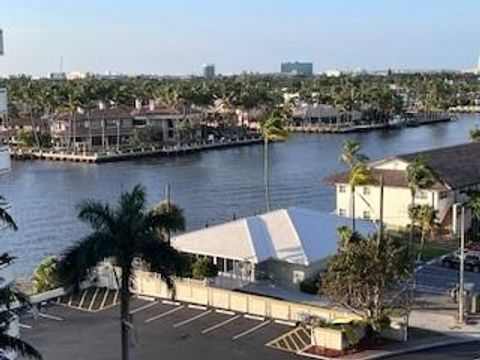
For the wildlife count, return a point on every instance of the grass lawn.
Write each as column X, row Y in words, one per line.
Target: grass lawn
column 432, row 250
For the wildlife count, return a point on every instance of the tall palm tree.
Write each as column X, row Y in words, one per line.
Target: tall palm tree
column 425, row 217
column 351, row 153
column 272, row 129
column 475, row 134
column 473, row 202
column 126, row 232
column 8, row 295
column 420, row 177
column 359, row 174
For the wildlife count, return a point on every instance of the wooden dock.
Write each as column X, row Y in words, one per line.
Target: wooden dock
column 130, row 154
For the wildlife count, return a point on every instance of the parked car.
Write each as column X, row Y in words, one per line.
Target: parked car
column 472, row 261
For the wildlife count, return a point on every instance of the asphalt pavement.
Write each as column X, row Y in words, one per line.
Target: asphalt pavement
column 469, row 351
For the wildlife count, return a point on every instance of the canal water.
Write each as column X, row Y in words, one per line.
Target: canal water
column 211, row 187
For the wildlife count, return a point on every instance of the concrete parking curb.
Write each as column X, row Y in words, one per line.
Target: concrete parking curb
column 387, row 354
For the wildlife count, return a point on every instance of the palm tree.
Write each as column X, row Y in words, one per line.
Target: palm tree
column 359, row 174
column 124, row 233
column 272, row 129
column 8, row 295
column 174, row 218
column 419, row 177
column 473, row 202
column 425, row 217
column 475, row 134
column 351, row 153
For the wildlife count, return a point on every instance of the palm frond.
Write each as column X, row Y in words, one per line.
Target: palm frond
column 133, row 202
column 9, row 295
column 7, row 219
column 98, row 215
column 166, row 216
column 6, row 259
column 21, row 347
column 76, row 263
column 161, row 258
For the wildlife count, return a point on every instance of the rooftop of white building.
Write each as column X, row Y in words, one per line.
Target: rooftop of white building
column 292, row 235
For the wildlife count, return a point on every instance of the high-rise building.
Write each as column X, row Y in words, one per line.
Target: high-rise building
column 1, row 42
column 209, row 71
column 297, row 68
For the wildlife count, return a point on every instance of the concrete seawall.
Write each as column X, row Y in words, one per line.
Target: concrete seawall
column 130, row 154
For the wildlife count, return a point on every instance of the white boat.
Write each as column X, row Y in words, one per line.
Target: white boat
column 5, row 162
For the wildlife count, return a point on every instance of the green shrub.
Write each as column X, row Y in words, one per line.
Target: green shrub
column 310, row 286
column 204, row 268
column 46, row 275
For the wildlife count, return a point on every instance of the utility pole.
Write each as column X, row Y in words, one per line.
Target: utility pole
column 380, row 231
column 461, row 297
column 167, row 199
column 118, row 136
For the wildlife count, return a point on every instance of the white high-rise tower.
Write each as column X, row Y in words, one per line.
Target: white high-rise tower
column 1, row 42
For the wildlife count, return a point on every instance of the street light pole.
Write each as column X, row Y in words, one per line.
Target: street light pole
column 461, row 296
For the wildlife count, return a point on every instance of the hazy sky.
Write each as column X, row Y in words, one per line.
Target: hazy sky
column 178, row 36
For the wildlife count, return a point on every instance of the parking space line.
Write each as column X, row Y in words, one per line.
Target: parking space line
column 254, row 317
column 24, row 326
column 82, row 299
column 105, row 296
column 284, row 322
column 251, row 330
column 143, row 307
column 50, row 317
column 225, row 312
column 216, row 326
column 94, row 297
column 166, row 313
column 170, row 302
column 192, row 319
column 115, row 297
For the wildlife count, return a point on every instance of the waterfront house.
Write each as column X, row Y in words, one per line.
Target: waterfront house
column 112, row 127
column 285, row 246
column 457, row 168
column 315, row 115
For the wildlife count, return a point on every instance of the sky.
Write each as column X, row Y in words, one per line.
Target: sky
column 177, row 36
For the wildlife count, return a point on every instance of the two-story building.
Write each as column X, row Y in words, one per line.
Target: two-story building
column 457, row 169
column 111, row 127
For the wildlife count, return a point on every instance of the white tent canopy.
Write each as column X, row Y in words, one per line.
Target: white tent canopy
column 292, row 235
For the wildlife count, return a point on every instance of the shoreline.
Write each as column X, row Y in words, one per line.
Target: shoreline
column 125, row 155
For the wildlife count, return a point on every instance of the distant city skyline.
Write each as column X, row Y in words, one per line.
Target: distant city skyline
column 177, row 38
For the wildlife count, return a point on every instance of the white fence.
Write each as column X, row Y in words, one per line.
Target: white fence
column 197, row 292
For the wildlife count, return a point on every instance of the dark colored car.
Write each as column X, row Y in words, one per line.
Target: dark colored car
column 472, row 261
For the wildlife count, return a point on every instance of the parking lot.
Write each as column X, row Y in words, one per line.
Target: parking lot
column 437, row 280
column 163, row 329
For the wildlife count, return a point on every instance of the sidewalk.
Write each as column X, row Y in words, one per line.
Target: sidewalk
column 395, row 349
column 444, row 322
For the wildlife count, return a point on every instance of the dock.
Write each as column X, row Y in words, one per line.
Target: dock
column 410, row 121
column 129, row 154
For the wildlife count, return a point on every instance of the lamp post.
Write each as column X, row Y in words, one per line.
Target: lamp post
column 461, row 297
column 461, row 276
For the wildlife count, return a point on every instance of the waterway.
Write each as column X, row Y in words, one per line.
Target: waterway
column 211, row 187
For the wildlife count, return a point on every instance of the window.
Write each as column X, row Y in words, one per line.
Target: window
column 366, row 215
column 342, row 212
column 366, row 190
column 342, row 188
column 443, row 195
column 421, row 195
